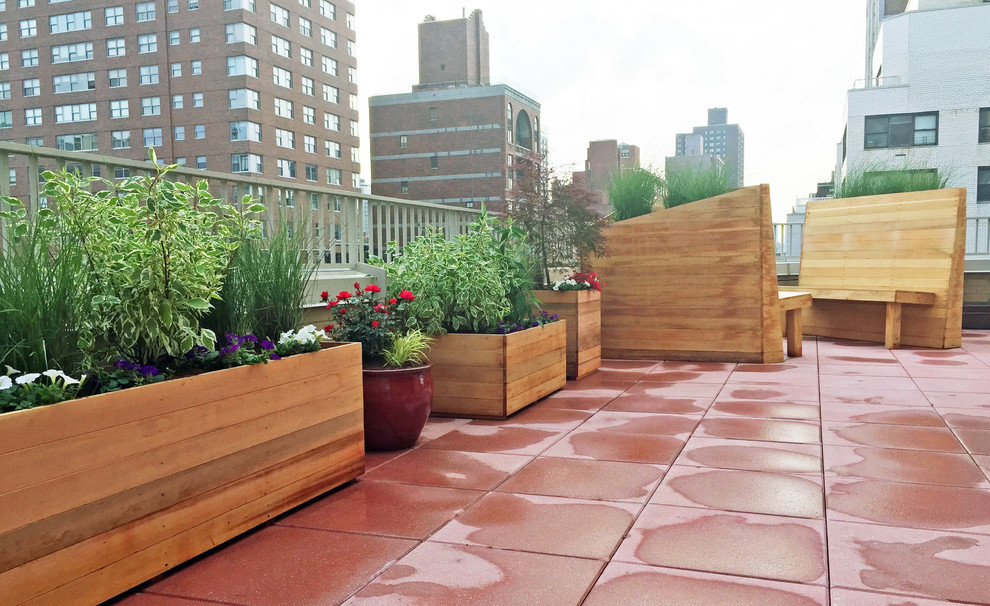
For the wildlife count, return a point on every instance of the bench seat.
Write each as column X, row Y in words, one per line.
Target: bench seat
column 791, row 303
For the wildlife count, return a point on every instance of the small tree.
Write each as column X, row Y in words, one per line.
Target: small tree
column 558, row 217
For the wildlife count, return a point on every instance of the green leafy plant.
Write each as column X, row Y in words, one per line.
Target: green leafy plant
column 875, row 179
column 408, row 349
column 155, row 255
column 688, row 185
column 466, row 284
column 20, row 390
column 633, row 193
column 264, row 291
column 41, row 302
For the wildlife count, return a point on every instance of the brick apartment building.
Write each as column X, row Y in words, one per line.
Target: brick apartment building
column 242, row 86
column 719, row 139
column 605, row 158
column 456, row 137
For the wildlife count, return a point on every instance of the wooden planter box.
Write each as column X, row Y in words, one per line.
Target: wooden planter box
column 582, row 309
column 493, row 376
column 102, row 493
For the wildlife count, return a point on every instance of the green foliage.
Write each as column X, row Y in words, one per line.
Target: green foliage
column 408, row 349
column 558, row 218
column 466, row 284
column 633, row 193
column 366, row 317
column 688, row 185
column 41, row 302
column 871, row 180
column 20, row 391
column 264, row 290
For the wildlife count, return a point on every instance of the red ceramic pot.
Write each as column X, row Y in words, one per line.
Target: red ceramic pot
column 396, row 405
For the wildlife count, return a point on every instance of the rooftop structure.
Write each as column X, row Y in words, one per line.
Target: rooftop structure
column 720, row 139
column 605, row 159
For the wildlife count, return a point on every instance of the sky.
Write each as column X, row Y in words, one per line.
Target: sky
column 641, row 71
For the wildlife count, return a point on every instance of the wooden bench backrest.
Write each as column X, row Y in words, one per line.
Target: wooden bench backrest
column 907, row 241
column 695, row 282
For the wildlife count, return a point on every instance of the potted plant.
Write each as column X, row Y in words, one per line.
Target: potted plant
column 102, row 492
column 578, row 299
column 471, row 287
column 398, row 387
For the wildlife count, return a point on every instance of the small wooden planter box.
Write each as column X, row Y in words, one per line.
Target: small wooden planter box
column 493, row 376
column 583, row 311
column 102, row 493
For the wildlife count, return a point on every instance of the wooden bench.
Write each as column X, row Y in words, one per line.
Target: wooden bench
column 791, row 303
column 886, row 268
column 696, row 282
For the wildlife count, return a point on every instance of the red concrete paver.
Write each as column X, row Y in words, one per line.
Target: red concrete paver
column 674, row 483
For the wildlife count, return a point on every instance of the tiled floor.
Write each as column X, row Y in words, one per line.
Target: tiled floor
column 852, row 476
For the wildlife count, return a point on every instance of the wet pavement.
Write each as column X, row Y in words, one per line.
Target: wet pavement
column 851, row 476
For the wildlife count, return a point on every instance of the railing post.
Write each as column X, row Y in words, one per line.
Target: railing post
column 4, row 174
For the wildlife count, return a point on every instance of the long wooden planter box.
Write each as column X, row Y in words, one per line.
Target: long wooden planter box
column 493, row 376
column 582, row 309
column 102, row 493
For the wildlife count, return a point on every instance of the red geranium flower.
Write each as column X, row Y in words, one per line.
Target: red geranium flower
column 343, row 311
column 393, row 301
column 343, row 295
column 331, row 304
column 374, row 323
column 408, row 296
column 324, row 295
column 328, row 328
column 357, row 286
column 372, row 288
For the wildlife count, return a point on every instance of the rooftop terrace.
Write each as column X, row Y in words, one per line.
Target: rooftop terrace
column 853, row 475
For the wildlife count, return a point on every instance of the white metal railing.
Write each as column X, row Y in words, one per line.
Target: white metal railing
column 878, row 82
column 345, row 226
column 787, row 241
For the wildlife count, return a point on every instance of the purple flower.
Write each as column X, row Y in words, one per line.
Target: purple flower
column 148, row 371
column 267, row 345
column 251, row 338
column 275, row 357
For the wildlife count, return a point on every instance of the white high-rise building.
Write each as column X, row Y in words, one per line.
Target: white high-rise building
column 925, row 101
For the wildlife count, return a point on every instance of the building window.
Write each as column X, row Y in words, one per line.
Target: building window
column 355, row 155
column 305, row 27
column 74, row 82
column 350, row 21
column 80, row 112
column 29, row 58
column 119, row 109
column 230, row 5
column 72, row 22
column 281, row 46
column 433, row 114
column 120, row 139
column 284, row 108
column 245, row 131
column 309, row 144
column 985, row 125
column 176, row 70
column 334, row 176
column 180, row 161
column 279, row 15
column 242, row 65
column 152, row 137
column 151, row 106
column 328, row 37
column 403, row 140
column 173, row 6
column 434, row 161
column 331, row 94
column 174, row 39
column 145, row 11
column 983, row 184
column 6, row 119
column 32, row 117
column 3, row 32
column 193, row 5
column 333, row 149
column 351, row 49
column 901, row 130
column 148, row 74
column 285, row 138
column 328, row 10
column 196, row 67
column 24, row 3
column 179, row 133
column 147, row 43
column 308, row 86
column 4, row 91
column 121, row 173
column 306, row 56
column 199, row 131
column 66, row 53
column 281, row 77
column 197, row 99
column 309, row 115
column 29, row 28
column 201, row 161
column 241, row 32
column 240, row 98
column 116, row 47
column 245, row 163
column 331, row 122
column 194, row 35
column 286, row 168
column 354, row 128
column 177, row 102
column 351, row 75
column 32, row 87
column 404, row 187
column 118, row 78
column 329, row 65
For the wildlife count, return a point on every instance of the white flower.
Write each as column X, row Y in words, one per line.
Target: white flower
column 28, row 378
column 11, row 370
column 306, row 334
column 5, row 382
column 58, row 374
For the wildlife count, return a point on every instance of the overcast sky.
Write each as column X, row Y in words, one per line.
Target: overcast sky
column 641, row 71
